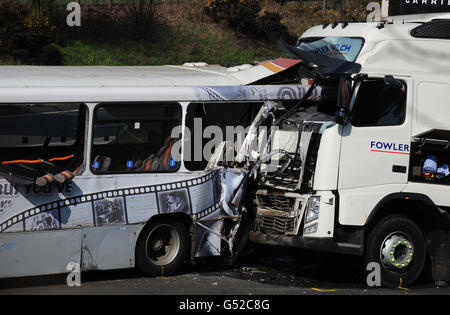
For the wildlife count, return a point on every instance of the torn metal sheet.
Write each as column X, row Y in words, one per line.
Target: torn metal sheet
column 210, row 228
column 216, row 157
column 208, row 238
column 264, row 70
column 249, row 142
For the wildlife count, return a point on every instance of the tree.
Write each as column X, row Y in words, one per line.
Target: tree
column 143, row 13
column 39, row 6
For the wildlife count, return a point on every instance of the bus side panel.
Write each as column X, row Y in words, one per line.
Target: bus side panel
column 109, row 247
column 38, row 253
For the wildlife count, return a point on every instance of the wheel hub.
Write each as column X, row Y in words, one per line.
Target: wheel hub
column 163, row 244
column 158, row 245
column 397, row 252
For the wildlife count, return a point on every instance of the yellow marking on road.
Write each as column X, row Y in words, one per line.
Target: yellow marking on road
column 321, row 290
column 400, row 285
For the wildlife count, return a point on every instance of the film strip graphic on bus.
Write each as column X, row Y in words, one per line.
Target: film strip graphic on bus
column 256, row 93
column 199, row 196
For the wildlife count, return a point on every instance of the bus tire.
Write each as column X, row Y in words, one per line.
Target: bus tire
column 398, row 245
column 163, row 248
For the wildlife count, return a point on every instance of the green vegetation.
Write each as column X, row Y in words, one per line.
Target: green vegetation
column 157, row 32
column 193, row 43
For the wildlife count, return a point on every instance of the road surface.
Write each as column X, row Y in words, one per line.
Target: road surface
column 259, row 272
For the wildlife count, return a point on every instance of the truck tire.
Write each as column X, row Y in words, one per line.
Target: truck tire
column 397, row 244
column 162, row 248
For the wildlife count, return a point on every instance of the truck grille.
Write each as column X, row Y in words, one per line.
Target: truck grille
column 276, row 202
column 277, row 225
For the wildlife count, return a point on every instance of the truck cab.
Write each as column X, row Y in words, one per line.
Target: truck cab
column 372, row 180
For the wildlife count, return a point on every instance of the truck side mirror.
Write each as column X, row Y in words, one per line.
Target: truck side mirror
column 393, row 83
column 342, row 116
column 343, row 101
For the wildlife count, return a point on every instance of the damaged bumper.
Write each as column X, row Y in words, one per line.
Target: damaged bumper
column 302, row 221
column 327, row 244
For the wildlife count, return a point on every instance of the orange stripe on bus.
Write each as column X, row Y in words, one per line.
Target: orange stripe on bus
column 272, row 67
column 22, row 161
column 61, row 158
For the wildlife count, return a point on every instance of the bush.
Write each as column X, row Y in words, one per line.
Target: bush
column 131, row 20
column 244, row 17
column 50, row 55
column 270, row 27
column 23, row 36
column 239, row 14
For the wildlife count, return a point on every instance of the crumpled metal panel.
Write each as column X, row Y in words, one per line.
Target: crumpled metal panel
column 209, row 231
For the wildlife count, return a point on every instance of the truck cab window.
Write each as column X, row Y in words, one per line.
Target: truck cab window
column 134, row 138
column 378, row 104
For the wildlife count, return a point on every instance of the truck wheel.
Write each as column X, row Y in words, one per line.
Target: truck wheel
column 162, row 249
column 397, row 244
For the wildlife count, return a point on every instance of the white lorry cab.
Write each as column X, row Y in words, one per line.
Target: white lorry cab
column 374, row 178
column 89, row 177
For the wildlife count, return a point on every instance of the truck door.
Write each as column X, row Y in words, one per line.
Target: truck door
column 376, row 143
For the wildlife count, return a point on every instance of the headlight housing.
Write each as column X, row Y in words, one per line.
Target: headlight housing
column 312, row 209
column 311, row 229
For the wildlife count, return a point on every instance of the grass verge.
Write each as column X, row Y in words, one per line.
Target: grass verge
column 186, row 42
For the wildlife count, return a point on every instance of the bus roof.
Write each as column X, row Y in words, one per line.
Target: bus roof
column 95, row 76
column 19, row 84
column 190, row 82
column 195, row 74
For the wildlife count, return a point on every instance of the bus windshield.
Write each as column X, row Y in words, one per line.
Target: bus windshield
column 344, row 48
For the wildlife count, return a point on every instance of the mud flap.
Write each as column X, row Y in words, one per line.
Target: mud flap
column 439, row 249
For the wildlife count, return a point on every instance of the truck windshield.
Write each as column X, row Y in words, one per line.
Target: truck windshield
column 344, row 48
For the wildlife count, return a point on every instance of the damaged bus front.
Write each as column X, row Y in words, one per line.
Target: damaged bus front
column 292, row 172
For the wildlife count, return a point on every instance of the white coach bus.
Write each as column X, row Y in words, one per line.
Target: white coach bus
column 87, row 173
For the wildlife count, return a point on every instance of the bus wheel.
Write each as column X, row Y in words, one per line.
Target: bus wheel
column 397, row 244
column 162, row 249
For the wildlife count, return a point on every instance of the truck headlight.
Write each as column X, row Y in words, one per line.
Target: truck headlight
column 312, row 209
column 311, row 229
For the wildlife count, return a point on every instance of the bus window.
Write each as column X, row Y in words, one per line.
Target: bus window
column 228, row 119
column 39, row 139
column 134, row 138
